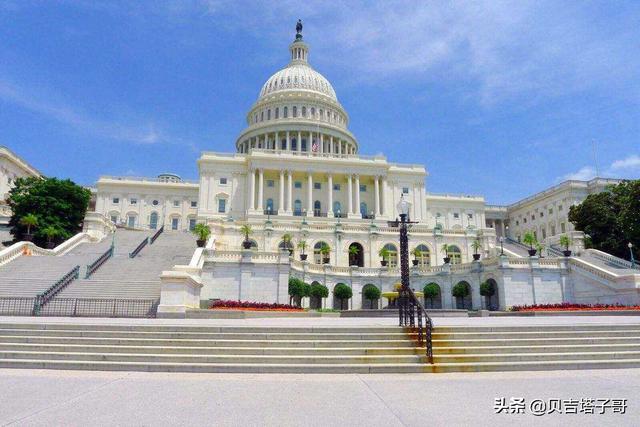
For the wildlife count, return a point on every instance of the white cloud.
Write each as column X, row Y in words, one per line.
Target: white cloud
column 584, row 174
column 62, row 113
column 631, row 162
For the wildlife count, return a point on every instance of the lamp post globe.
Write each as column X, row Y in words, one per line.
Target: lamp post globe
column 633, row 260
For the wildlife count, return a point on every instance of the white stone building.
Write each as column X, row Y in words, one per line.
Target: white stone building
column 12, row 167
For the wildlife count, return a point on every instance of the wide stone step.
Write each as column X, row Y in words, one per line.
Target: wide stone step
column 536, row 334
column 284, row 351
column 536, row 328
column 205, row 343
column 532, row 357
column 533, row 365
column 242, row 336
column 535, row 341
column 556, row 348
column 227, row 359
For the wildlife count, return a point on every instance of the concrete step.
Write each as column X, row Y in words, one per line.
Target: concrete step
column 535, row 341
column 559, row 348
column 206, row 342
column 532, row 357
column 536, row 334
column 197, row 328
column 207, row 358
column 533, row 365
column 535, row 328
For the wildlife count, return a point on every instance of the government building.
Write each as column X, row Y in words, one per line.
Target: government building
column 319, row 210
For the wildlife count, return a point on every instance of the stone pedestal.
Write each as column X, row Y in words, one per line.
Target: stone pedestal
column 179, row 292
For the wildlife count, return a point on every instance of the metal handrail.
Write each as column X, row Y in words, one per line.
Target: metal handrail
column 138, row 248
column 156, row 235
column 95, row 265
column 411, row 312
column 46, row 296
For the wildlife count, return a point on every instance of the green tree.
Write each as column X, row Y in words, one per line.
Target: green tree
column 431, row 290
column 460, row 290
column 611, row 218
column 29, row 220
column 298, row 290
column 319, row 291
column 57, row 203
column 372, row 293
column 343, row 293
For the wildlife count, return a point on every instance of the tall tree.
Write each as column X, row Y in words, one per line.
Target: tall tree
column 56, row 203
column 611, row 218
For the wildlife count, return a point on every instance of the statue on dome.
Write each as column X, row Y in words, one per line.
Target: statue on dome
column 299, row 30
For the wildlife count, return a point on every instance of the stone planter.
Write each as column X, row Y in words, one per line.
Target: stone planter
column 201, row 243
column 476, row 257
column 384, row 263
column 446, row 260
column 415, row 262
column 532, row 252
column 303, row 257
column 246, row 244
column 566, row 253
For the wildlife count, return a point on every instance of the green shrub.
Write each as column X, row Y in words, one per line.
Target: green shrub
column 486, row 289
column 372, row 293
column 319, row 291
column 460, row 290
column 342, row 292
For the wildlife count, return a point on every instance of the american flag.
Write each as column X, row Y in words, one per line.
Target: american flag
column 314, row 147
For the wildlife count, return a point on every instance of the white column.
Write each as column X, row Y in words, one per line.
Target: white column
column 322, row 150
column 383, row 194
column 252, row 190
column 357, row 189
column 276, row 143
column 299, row 142
column 376, row 189
column 329, row 196
column 350, row 194
column 332, row 149
column 288, row 146
column 281, row 204
column 290, row 195
column 339, row 147
column 261, row 191
column 309, row 194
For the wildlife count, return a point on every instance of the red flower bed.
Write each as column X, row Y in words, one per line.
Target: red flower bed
column 565, row 306
column 251, row 306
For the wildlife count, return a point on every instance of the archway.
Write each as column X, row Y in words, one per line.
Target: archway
column 321, row 253
column 463, row 302
column 356, row 254
column 432, row 301
column 339, row 304
column 317, row 208
column 492, row 302
column 315, row 303
column 454, row 253
column 366, row 303
column 422, row 255
column 392, row 256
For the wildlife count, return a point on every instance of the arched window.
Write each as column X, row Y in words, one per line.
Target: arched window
column 277, row 113
column 453, row 252
column 285, row 112
column 269, row 207
column 313, row 113
column 294, row 144
column 269, row 114
column 297, row 208
column 286, row 246
column 283, row 144
column 392, row 256
column 153, row 220
column 422, row 254
column 321, row 253
column 321, row 114
column 262, row 116
column 317, row 206
column 295, row 111
column 363, row 210
column 304, row 111
column 337, row 208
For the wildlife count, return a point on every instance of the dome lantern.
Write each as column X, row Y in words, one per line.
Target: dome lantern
column 299, row 49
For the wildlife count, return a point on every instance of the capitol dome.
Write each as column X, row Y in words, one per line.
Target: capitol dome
column 298, row 76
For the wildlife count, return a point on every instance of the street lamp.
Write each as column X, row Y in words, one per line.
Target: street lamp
column 501, row 246
column 403, row 297
column 633, row 261
column 507, row 231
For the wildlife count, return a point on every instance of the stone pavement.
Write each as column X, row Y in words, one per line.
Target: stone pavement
column 76, row 398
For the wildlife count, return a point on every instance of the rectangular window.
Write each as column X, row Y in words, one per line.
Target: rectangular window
column 192, row 224
column 405, row 190
column 562, row 228
column 297, row 184
column 517, row 222
column 336, row 187
column 194, row 204
column 133, row 201
column 270, row 183
column 277, row 112
column 295, row 111
column 456, row 215
column 115, row 200
column 114, row 219
column 223, row 181
column 175, row 222
column 363, row 188
column 525, row 220
column 176, row 203
column 317, row 186
column 222, row 205
column 470, row 216
column 268, row 114
column 541, row 214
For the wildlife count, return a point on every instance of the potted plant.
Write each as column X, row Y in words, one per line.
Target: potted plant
column 445, row 251
column 384, row 254
column 539, row 248
column 325, row 250
column 353, row 253
column 343, row 293
column 302, row 245
column 246, row 231
column 372, row 293
column 565, row 242
column 319, row 292
column 487, row 291
column 476, row 245
column 460, row 291
column 51, row 232
column 29, row 220
column 202, row 231
column 287, row 238
column 417, row 253
column 431, row 291
column 530, row 239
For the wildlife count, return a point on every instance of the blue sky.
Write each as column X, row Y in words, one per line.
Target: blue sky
column 496, row 98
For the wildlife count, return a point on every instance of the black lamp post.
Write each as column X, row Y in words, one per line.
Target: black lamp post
column 633, row 261
column 501, row 246
column 403, row 294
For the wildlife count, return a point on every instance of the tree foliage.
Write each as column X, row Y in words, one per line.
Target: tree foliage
column 611, row 219
column 460, row 290
column 431, row 290
column 56, row 203
column 319, row 291
column 342, row 292
column 372, row 293
column 487, row 289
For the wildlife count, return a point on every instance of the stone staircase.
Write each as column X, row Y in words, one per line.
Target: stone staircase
column 318, row 349
column 122, row 277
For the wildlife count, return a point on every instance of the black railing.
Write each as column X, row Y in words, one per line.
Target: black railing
column 156, row 235
column 138, row 248
column 339, row 215
column 43, row 298
column 270, row 212
column 414, row 316
column 79, row 307
column 95, row 265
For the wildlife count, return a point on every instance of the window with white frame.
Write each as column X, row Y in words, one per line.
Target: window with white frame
column 223, row 181
column 336, row 187
column 133, row 201
column 115, row 200
column 194, row 204
column 176, row 203
column 270, row 183
column 222, row 205
column 405, row 190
